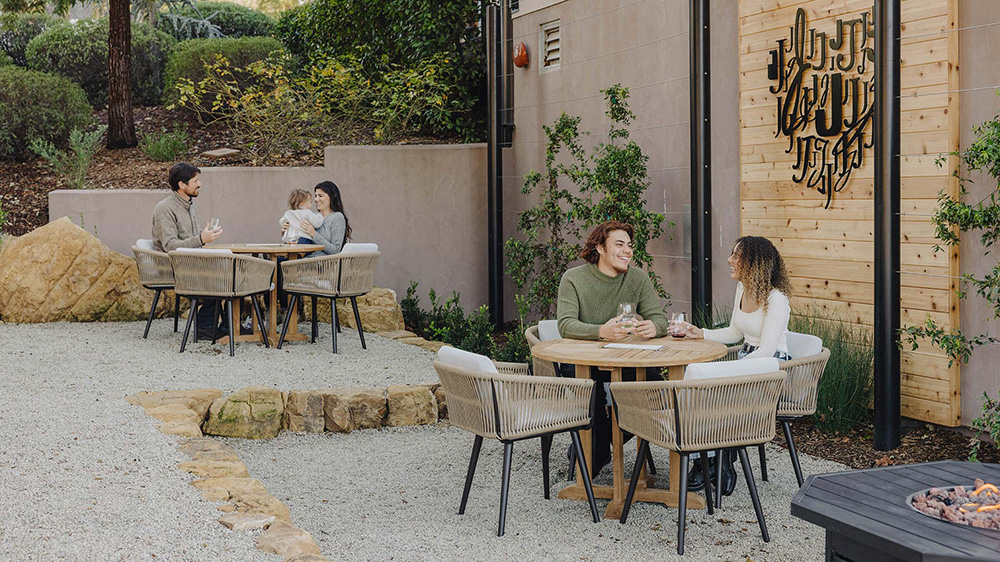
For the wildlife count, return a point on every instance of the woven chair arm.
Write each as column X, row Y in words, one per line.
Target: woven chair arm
column 311, row 275
column 646, row 410
column 543, row 368
column 253, row 275
column 203, row 275
column 529, row 406
column 531, row 334
column 511, row 368
column 470, row 399
column 357, row 273
column 732, row 353
column 154, row 267
column 799, row 395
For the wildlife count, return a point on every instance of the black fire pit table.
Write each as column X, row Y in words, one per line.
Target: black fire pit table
column 868, row 517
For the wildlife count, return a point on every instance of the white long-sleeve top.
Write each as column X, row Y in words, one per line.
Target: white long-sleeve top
column 295, row 217
column 766, row 331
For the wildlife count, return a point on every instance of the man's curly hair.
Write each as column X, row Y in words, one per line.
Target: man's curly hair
column 599, row 236
column 760, row 268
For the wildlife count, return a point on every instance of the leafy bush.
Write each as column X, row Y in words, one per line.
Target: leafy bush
column 988, row 423
column 17, row 30
column 400, row 33
column 80, row 52
column 189, row 59
column 232, row 20
column 71, row 164
column 164, row 146
column 35, row 105
column 3, row 218
column 5, row 60
column 845, row 390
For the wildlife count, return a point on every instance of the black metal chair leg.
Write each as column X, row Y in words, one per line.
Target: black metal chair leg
column 187, row 327
column 258, row 311
column 640, row 458
column 718, row 477
column 748, row 474
column 763, row 462
column 682, row 503
column 508, row 450
column 578, row 446
column 572, row 464
column 478, row 444
column 546, row 447
column 288, row 315
column 652, row 467
column 708, row 482
column 357, row 319
column 787, row 428
column 177, row 310
column 335, row 321
column 152, row 312
column 232, row 328
column 336, row 315
column 215, row 319
column 315, row 328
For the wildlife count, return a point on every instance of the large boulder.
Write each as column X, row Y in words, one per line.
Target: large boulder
column 347, row 409
column 197, row 400
column 60, row 272
column 411, row 405
column 254, row 412
column 304, row 411
column 378, row 309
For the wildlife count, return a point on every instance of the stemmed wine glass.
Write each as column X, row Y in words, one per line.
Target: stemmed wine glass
column 678, row 320
column 626, row 311
column 214, row 223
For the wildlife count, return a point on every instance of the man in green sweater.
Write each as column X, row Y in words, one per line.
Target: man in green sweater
column 587, row 309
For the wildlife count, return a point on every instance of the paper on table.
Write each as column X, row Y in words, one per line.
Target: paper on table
column 632, row 346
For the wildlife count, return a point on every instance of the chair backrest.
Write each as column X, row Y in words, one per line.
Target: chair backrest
column 466, row 360
column 357, row 271
column 467, row 382
column 204, row 272
column 359, row 248
column 742, row 367
column 154, row 267
column 548, row 330
column 801, row 346
column 541, row 367
column 145, row 244
column 802, row 386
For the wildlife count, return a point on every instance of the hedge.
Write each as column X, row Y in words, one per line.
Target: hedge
column 189, row 58
column 233, row 20
column 36, row 105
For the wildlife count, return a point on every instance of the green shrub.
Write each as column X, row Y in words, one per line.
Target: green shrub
column 71, row 164
column 3, row 220
column 17, row 30
column 845, row 390
column 190, row 57
column 164, row 146
column 5, row 60
column 988, row 423
column 35, row 105
column 80, row 52
column 232, row 20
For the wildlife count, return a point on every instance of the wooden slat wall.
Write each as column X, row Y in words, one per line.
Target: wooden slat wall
column 829, row 252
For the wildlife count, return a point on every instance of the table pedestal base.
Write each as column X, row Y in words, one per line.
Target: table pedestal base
column 643, row 493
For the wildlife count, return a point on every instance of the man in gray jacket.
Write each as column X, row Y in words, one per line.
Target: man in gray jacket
column 175, row 225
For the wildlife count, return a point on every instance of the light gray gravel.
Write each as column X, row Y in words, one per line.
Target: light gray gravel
column 86, row 477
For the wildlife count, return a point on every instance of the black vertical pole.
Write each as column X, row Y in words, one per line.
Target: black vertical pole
column 887, row 238
column 494, row 182
column 701, row 161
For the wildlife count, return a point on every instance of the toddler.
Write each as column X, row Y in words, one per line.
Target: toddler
column 300, row 209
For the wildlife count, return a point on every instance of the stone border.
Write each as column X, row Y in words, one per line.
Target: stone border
column 261, row 412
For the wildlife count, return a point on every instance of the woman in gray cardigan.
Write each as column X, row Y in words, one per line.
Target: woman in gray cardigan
column 335, row 230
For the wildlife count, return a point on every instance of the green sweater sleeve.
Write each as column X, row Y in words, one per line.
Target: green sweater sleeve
column 649, row 306
column 568, row 314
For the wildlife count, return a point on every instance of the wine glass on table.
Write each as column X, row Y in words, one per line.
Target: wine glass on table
column 214, row 223
column 626, row 311
column 678, row 323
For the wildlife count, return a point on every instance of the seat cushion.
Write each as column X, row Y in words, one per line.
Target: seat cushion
column 803, row 345
column 466, row 360
column 718, row 369
column 548, row 330
column 145, row 244
column 359, row 248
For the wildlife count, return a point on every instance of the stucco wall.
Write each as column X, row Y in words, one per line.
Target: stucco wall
column 425, row 206
column 980, row 68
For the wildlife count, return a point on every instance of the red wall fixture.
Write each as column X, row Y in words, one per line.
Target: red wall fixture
column 520, row 55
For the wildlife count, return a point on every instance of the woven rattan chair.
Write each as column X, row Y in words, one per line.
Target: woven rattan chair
column 218, row 275
column 540, row 367
column 155, row 274
column 349, row 274
column 697, row 416
column 512, row 408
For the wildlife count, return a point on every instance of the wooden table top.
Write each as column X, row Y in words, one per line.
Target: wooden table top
column 673, row 352
column 267, row 248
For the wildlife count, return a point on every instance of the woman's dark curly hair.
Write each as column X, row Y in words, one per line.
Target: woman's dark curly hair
column 760, row 268
column 599, row 236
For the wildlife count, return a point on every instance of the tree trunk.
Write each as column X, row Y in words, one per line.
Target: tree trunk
column 121, row 125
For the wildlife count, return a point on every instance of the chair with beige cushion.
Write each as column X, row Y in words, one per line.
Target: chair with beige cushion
column 219, row 275
column 349, row 274
column 155, row 274
column 697, row 416
column 545, row 330
column 512, row 408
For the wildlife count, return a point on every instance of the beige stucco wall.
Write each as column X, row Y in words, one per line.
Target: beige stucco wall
column 425, row 206
column 979, row 69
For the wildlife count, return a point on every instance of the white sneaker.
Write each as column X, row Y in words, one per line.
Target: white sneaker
column 247, row 324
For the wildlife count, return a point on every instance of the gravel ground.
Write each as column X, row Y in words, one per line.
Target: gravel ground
column 85, row 476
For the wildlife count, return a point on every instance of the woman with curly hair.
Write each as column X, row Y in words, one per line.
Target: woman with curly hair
column 761, row 309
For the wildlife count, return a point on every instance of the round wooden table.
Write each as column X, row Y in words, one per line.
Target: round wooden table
column 674, row 355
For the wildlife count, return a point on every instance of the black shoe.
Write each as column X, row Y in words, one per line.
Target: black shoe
column 696, row 482
column 728, row 473
column 210, row 334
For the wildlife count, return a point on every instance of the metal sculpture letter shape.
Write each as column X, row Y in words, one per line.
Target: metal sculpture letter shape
column 826, row 99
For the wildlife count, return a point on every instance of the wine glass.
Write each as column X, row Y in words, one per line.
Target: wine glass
column 214, row 223
column 677, row 322
column 626, row 311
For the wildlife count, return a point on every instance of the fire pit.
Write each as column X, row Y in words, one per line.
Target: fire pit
column 878, row 515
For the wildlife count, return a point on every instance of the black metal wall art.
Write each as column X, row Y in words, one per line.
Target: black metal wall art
column 825, row 85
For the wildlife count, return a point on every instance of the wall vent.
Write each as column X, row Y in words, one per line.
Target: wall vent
column 550, row 47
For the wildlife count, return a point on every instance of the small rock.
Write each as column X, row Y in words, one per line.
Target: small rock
column 285, row 540
column 397, row 334
column 219, row 153
column 410, row 405
column 254, row 412
column 184, row 429
column 308, row 558
column 215, row 469
column 442, row 401
column 432, row 346
column 246, row 521
column 174, row 413
column 347, row 409
column 198, row 400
